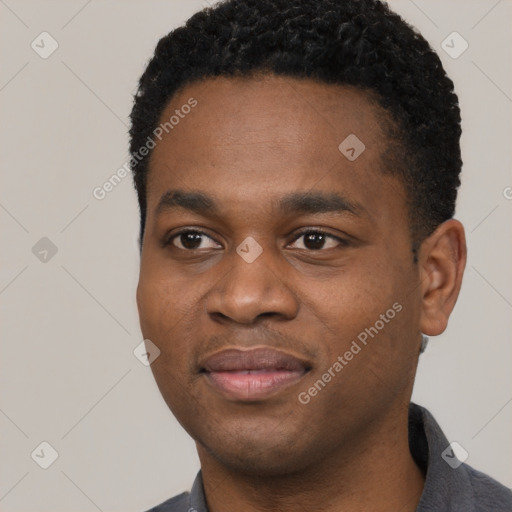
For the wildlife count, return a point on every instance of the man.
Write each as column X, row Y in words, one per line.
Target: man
column 297, row 165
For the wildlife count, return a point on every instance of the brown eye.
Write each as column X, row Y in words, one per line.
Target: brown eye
column 315, row 240
column 191, row 240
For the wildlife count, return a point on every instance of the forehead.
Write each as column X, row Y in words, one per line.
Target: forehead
column 264, row 134
column 288, row 108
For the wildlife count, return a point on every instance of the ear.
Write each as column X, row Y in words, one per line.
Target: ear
column 442, row 259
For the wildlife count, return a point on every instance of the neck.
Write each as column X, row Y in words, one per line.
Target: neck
column 375, row 473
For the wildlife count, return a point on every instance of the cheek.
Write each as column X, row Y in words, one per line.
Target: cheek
column 149, row 300
column 161, row 312
column 353, row 299
column 368, row 314
column 161, row 309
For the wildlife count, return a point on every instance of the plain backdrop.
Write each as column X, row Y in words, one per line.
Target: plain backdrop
column 69, row 323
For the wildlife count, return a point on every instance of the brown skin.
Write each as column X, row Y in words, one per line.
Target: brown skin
column 247, row 143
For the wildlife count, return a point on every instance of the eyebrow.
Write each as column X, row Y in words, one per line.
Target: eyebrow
column 294, row 203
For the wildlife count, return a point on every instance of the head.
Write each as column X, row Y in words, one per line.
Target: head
column 311, row 151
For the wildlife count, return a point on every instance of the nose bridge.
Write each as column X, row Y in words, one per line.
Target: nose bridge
column 252, row 287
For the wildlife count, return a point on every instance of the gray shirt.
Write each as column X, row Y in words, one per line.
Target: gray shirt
column 449, row 485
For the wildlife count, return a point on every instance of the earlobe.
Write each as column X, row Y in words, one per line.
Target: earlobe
column 442, row 261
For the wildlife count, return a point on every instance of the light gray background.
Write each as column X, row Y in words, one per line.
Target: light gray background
column 68, row 375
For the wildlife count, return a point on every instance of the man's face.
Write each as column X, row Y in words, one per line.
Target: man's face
column 253, row 146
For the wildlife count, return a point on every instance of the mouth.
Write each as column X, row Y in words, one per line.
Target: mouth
column 253, row 375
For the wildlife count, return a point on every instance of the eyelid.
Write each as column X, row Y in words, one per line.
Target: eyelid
column 303, row 231
column 168, row 239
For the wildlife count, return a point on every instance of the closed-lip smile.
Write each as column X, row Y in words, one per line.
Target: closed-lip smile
column 253, row 374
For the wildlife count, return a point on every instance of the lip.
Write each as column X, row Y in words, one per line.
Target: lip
column 253, row 374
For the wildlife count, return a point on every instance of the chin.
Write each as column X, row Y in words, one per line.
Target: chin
column 262, row 452
column 263, row 463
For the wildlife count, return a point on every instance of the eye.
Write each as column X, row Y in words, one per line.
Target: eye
column 315, row 240
column 191, row 240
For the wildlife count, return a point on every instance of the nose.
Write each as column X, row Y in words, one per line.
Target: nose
column 249, row 291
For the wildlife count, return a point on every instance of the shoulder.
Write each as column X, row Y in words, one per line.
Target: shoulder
column 450, row 487
column 180, row 503
column 488, row 494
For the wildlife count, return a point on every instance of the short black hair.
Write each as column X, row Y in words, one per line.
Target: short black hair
column 359, row 43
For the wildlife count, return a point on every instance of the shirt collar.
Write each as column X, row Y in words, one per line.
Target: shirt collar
column 447, row 482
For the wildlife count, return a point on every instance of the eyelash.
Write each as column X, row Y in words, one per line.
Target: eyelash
column 307, row 231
